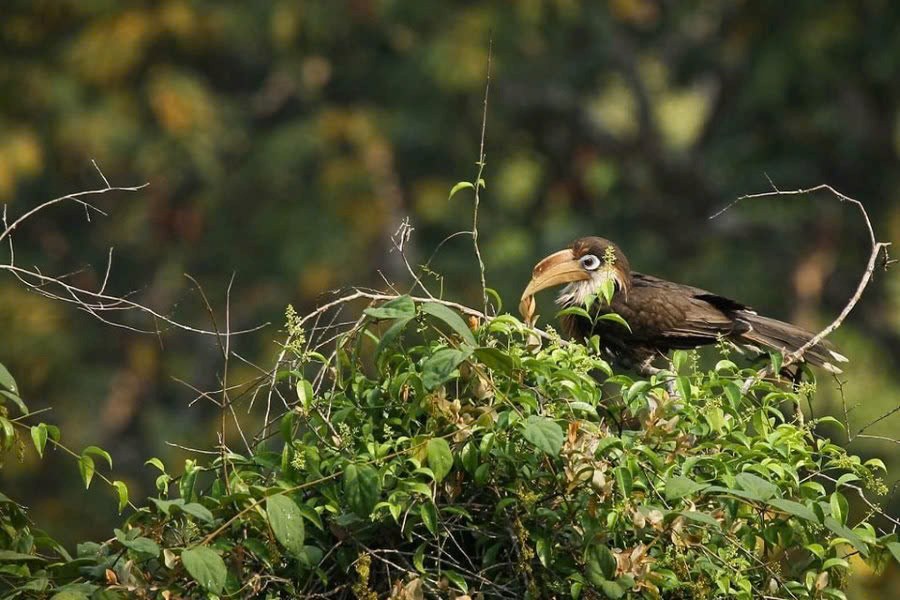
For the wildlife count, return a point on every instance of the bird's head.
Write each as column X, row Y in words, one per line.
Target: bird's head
column 585, row 266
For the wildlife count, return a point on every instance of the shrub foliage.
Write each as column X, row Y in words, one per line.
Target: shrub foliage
column 421, row 455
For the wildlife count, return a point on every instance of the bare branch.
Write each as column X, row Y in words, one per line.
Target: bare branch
column 479, row 182
column 96, row 303
column 399, row 239
column 76, row 197
column 877, row 250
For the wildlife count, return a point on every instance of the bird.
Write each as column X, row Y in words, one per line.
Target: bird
column 661, row 315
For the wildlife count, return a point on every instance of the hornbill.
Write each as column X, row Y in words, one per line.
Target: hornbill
column 661, row 315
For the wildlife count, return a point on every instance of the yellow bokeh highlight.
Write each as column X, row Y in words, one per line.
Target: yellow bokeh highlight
column 21, row 156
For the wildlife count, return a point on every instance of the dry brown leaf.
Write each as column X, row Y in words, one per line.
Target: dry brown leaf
column 527, row 307
column 411, row 591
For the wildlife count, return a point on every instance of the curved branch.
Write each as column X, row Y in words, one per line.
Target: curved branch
column 878, row 248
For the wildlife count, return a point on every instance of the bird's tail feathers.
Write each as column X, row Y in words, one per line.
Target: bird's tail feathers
column 788, row 338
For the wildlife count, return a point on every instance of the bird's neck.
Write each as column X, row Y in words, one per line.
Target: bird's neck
column 577, row 292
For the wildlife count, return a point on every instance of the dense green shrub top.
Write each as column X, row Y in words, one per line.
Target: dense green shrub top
column 425, row 456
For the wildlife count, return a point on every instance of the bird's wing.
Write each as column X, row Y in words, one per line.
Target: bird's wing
column 678, row 315
column 720, row 302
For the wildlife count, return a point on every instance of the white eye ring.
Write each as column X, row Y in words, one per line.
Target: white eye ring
column 589, row 262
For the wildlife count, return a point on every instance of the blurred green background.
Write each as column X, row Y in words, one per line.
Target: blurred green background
column 285, row 141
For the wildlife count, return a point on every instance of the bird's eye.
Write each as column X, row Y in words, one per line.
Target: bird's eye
column 590, row 262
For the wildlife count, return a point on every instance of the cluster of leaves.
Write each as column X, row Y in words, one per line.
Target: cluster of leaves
column 428, row 456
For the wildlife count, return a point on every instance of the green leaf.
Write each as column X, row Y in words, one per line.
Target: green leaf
column 390, row 336
column 636, row 388
column 545, row 434
column 776, row 359
column 699, row 517
column 6, row 380
column 312, row 556
column 188, row 479
column 835, row 562
column 793, row 508
column 419, row 558
column 495, row 359
column 894, row 549
column 756, row 486
column 573, row 311
column 206, row 567
column 39, row 438
column 542, row 549
column 165, row 506
column 14, row 398
column 69, row 595
column 286, row 426
column 310, row 514
column 462, row 185
column 155, row 462
column 362, row 487
column 482, row 473
column 678, row 487
column 457, row 580
column 876, row 463
column 305, row 395
column 615, row 319
column 831, row 421
column 287, row 523
column 844, row 479
column 121, row 493
column 848, row 534
column 600, row 563
column 452, row 319
column 7, row 433
column 612, row 589
column 607, row 289
column 86, row 468
column 133, row 541
column 97, row 451
column 439, row 367
column 683, row 383
column 839, row 507
column 727, row 365
column 583, row 407
column 498, row 302
column 440, row 459
column 428, row 512
column 195, row 509
column 10, row 556
column 625, row 480
column 397, row 308
column 575, row 590
column 679, row 359
column 607, row 443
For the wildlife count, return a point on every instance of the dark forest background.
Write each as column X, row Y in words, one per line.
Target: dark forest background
column 284, row 142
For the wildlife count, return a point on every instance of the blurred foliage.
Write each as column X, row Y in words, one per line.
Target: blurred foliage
column 285, row 141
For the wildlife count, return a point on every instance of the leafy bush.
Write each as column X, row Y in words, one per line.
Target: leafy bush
column 425, row 456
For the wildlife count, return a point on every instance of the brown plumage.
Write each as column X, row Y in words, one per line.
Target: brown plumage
column 662, row 315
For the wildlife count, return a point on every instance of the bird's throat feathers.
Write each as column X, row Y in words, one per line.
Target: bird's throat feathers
column 577, row 292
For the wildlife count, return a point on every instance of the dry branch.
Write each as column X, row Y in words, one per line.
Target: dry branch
column 99, row 303
column 878, row 249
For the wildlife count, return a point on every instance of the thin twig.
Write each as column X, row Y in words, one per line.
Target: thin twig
column 479, row 181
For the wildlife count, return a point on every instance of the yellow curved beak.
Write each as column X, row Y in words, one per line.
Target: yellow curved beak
column 558, row 268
